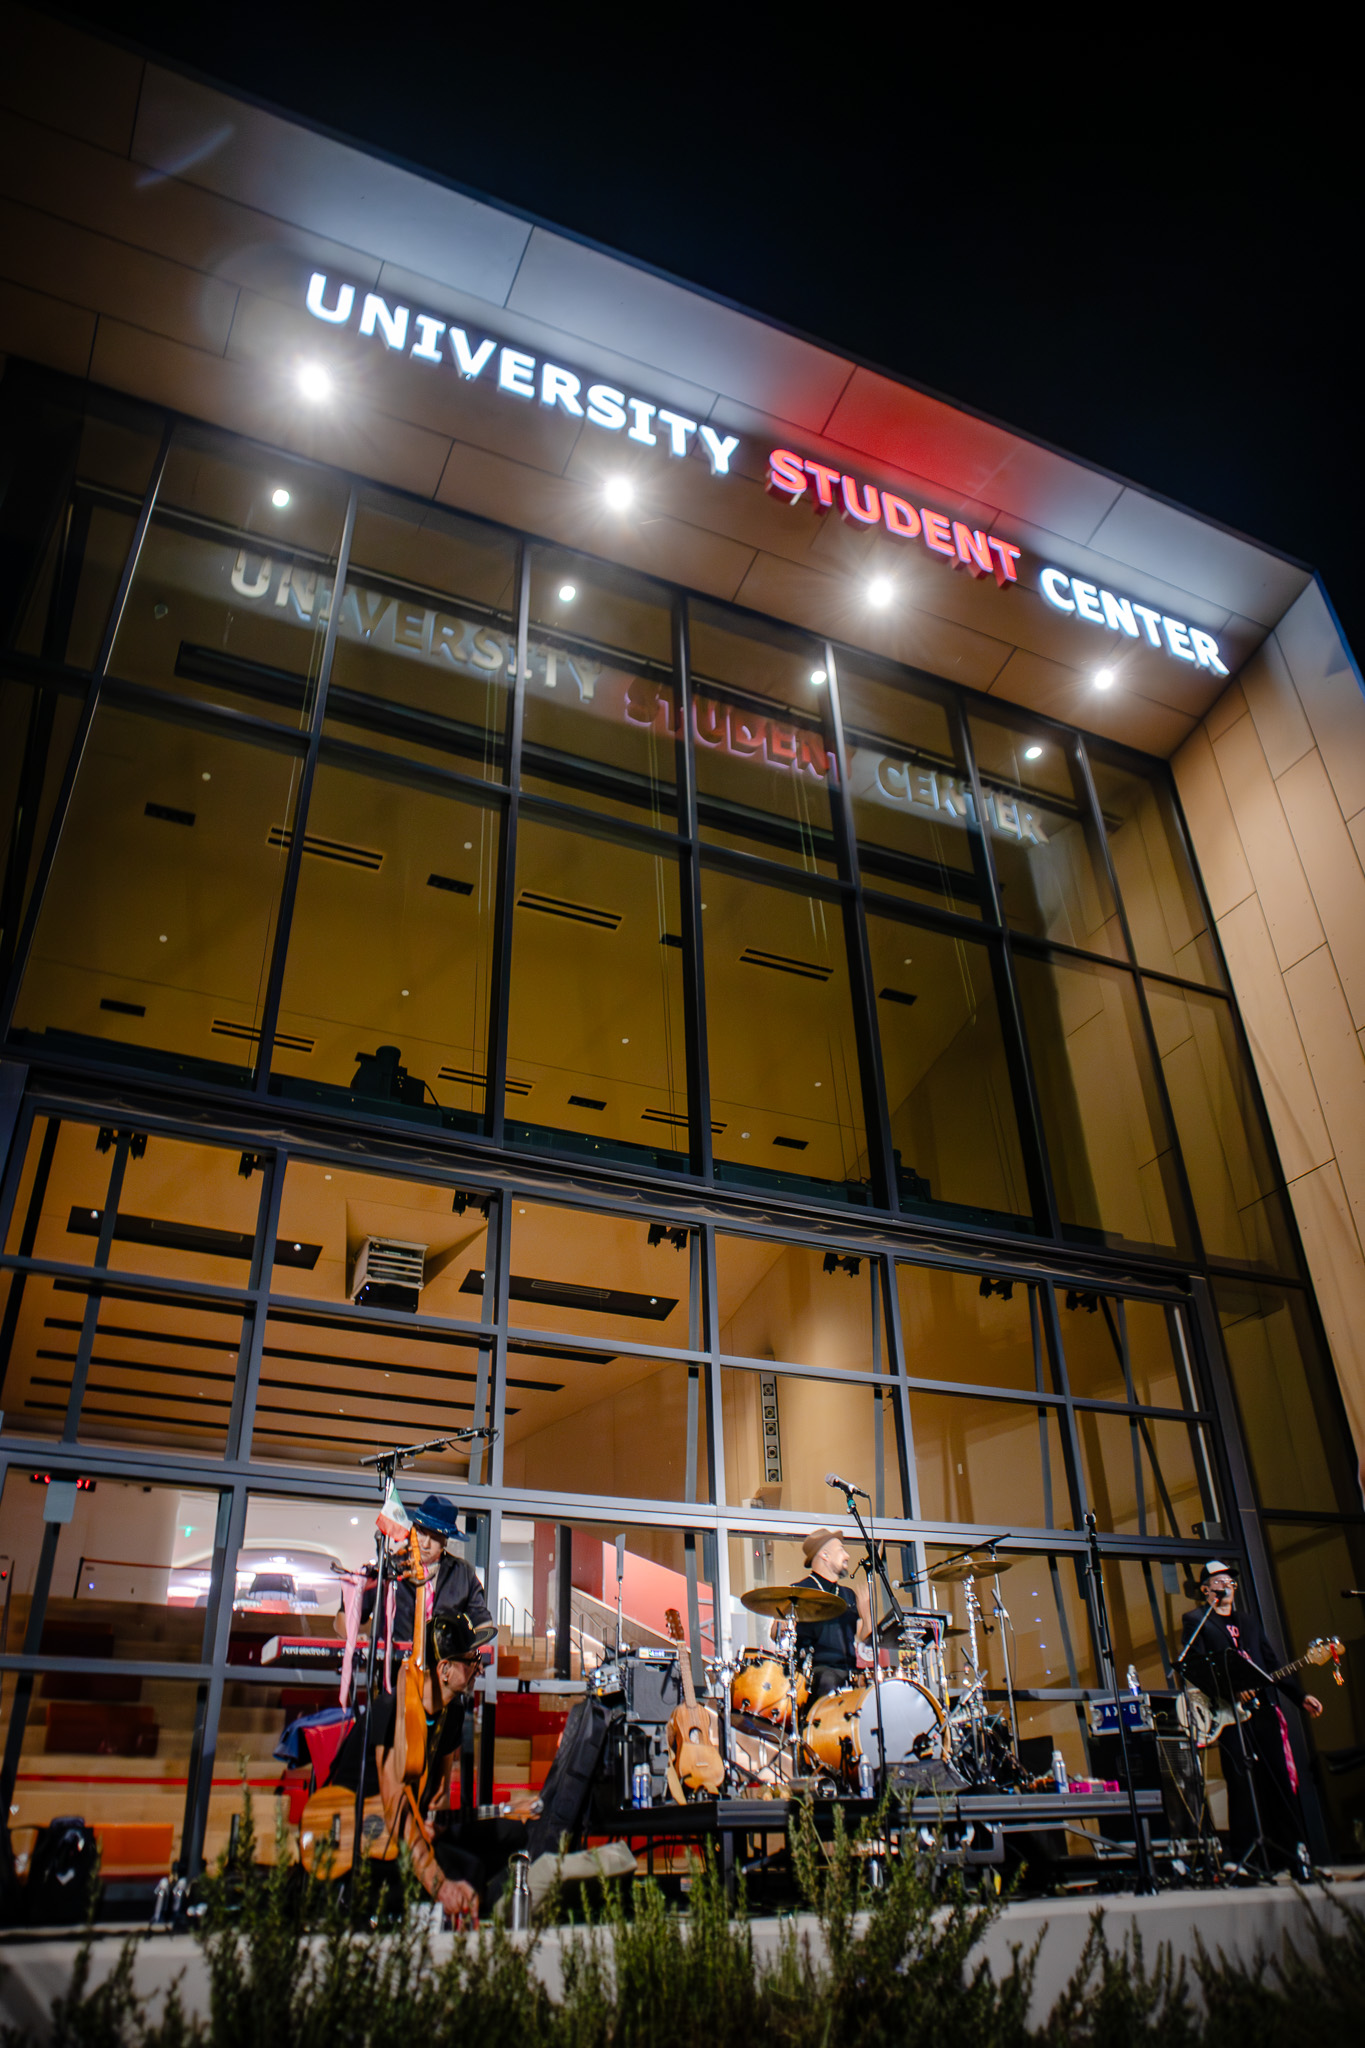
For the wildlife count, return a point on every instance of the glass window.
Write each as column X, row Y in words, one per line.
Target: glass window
column 803, row 1303
column 1234, row 1182
column 593, row 1423
column 786, row 1098
column 1292, row 1423
column 953, row 1123
column 64, row 1182
column 1146, row 1477
column 600, row 720
column 1113, row 1163
column 1123, row 1350
column 1048, row 856
column 764, row 751
column 37, row 730
column 596, row 1045
column 816, row 1424
column 995, row 1463
column 959, row 1326
column 232, row 590
column 329, row 1212
column 913, row 808
column 1044, row 1596
column 1312, row 1562
column 1161, row 899
column 553, row 1573
column 162, row 1371
column 185, row 1212
column 584, row 1273
column 154, row 939
column 1146, row 1601
column 426, row 643
column 385, row 1002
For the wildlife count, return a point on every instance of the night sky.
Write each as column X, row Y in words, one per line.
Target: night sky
column 1117, row 238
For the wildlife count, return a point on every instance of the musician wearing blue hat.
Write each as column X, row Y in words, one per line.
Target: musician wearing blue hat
column 452, row 1585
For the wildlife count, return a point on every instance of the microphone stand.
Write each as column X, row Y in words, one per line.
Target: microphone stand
column 1096, row 1577
column 876, row 1568
column 1192, row 1743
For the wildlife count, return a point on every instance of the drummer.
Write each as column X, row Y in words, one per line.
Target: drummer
column 832, row 1643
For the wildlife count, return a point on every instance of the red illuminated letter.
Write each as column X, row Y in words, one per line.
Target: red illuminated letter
column 747, row 732
column 781, row 743
column 864, row 510
column 708, row 721
column 811, row 758
column 973, row 552
column 786, row 477
column 1005, row 559
column 900, row 518
column 825, row 480
column 938, row 534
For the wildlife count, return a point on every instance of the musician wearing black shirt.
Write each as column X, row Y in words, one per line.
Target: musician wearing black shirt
column 832, row 1644
column 1218, row 1664
column 456, row 1588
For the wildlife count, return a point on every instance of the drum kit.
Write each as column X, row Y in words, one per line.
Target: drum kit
column 918, row 1713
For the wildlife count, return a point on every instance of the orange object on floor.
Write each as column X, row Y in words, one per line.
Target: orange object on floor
column 135, row 1848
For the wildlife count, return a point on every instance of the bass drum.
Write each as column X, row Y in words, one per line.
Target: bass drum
column 759, row 1691
column 842, row 1727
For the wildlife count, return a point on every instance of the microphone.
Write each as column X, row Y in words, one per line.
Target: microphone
column 833, row 1479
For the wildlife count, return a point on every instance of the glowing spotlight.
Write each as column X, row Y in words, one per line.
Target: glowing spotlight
column 314, row 382
column 1104, row 678
column 1033, row 753
column 620, row 493
column 819, row 676
column 879, row 592
column 280, row 498
column 567, row 592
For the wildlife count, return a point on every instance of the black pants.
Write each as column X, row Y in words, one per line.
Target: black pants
column 1281, row 1815
column 827, row 1678
column 479, row 1852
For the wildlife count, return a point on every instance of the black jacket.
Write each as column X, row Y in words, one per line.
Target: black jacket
column 458, row 1591
column 1215, row 1666
column 834, row 1642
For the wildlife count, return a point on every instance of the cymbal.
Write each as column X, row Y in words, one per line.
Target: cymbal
column 806, row 1603
column 958, row 1569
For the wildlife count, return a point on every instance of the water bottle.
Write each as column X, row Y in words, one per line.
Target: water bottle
column 867, row 1778
column 1059, row 1771
column 641, row 1786
column 1134, row 1682
column 519, row 1893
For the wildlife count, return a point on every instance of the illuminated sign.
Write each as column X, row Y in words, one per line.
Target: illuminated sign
column 1100, row 607
column 516, row 374
column 792, row 477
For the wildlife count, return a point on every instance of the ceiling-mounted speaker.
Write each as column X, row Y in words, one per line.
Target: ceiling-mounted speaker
column 388, row 1274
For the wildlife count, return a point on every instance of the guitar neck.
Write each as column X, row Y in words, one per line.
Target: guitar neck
column 685, row 1667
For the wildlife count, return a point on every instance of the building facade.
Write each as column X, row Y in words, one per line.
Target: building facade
column 579, row 866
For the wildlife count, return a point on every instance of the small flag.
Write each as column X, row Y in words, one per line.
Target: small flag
column 393, row 1516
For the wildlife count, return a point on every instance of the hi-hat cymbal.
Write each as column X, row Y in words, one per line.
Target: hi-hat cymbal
column 888, row 1631
column 806, row 1603
column 957, row 1569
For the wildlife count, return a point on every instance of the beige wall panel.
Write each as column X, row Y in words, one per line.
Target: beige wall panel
column 1231, row 706
column 1357, row 832
column 52, row 256
column 1330, row 692
column 1059, row 692
column 1337, row 1264
column 45, row 329
column 1333, row 869
column 826, row 604
column 1268, row 843
column 230, row 395
column 111, row 196
column 734, row 507
column 67, row 79
column 1281, row 725
column 1291, row 1099
column 1336, row 1064
column 1218, row 850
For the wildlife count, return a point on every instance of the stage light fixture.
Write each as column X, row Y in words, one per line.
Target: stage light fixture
column 619, row 493
column 314, row 382
column 279, row 498
column 1104, row 678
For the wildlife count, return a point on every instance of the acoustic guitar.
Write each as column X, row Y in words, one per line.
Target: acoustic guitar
column 1211, row 1717
column 697, row 1763
column 327, row 1832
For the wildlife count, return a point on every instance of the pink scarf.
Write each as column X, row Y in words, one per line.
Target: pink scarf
column 1289, row 1763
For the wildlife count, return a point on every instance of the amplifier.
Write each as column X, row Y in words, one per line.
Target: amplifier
column 1103, row 1715
column 653, row 1685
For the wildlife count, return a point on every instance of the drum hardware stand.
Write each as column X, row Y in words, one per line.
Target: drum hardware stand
column 1106, row 1645
column 387, row 1465
column 1207, row 1851
column 1006, row 1627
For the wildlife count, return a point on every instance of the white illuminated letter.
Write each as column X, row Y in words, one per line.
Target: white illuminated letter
column 643, row 414
column 1118, row 614
column 392, row 325
column 256, row 586
column 719, row 450
column 1087, row 602
column 469, row 362
column 607, row 407
column 1206, row 651
column 1178, row 640
column 516, row 373
column 1150, row 621
column 338, row 315
column 429, row 332
column 559, row 387
column 678, row 430
column 1054, row 589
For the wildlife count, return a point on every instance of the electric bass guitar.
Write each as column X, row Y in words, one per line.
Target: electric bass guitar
column 1211, row 1717
column 697, row 1763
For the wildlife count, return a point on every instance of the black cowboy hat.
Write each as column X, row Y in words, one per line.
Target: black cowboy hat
column 454, row 1638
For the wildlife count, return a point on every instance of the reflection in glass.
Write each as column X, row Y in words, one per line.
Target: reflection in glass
column 1047, row 853
column 1292, row 1422
column 596, row 1045
column 64, row 1180
column 600, row 707
column 588, row 1423
column 550, row 1573
column 1044, row 1595
column 1156, row 880
column 426, row 643
column 1235, row 1185
column 913, row 808
column 953, row 1126
column 786, row 1097
column 996, row 1462
column 157, row 920
column 817, row 1424
column 586, row 1273
column 956, row 1326
column 764, row 751
column 1146, row 1476
column 798, row 1302
column 37, row 731
column 1312, row 1562
column 1146, row 1602
column 1119, row 1349
column 1112, row 1159
column 386, row 990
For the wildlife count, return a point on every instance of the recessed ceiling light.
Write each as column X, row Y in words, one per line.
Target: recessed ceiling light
column 1104, row 678
column 161, row 939
column 1033, row 753
column 314, row 382
column 744, row 1134
column 879, row 592
column 567, row 592
column 625, row 1041
column 619, row 492
column 280, row 498
column 355, row 1521
column 819, row 676
column 402, row 991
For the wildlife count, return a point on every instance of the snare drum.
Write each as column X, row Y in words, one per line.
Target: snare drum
column 759, row 1690
column 842, row 1727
